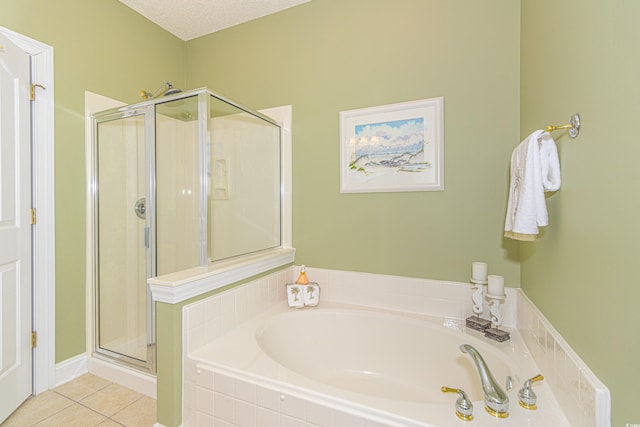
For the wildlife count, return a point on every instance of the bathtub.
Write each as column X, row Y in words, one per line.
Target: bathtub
column 370, row 367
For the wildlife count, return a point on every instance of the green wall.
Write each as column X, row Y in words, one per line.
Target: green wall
column 502, row 71
column 583, row 57
column 328, row 56
column 106, row 48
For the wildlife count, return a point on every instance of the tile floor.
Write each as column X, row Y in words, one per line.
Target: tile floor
column 86, row 401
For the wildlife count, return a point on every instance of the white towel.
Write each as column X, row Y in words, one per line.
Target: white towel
column 535, row 168
column 549, row 163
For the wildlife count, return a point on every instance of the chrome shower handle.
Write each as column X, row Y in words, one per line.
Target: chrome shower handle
column 140, row 208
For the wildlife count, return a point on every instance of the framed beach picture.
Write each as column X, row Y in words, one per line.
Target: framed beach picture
column 396, row 147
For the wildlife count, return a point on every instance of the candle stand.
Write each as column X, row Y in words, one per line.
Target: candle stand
column 476, row 322
column 494, row 332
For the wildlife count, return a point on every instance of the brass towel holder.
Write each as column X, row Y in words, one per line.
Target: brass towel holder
column 573, row 126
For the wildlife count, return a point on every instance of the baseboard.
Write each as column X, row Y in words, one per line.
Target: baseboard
column 70, row 369
column 73, row 367
column 130, row 378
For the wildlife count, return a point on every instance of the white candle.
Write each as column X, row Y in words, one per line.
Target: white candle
column 479, row 271
column 496, row 285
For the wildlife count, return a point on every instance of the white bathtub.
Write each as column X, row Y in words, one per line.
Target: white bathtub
column 382, row 368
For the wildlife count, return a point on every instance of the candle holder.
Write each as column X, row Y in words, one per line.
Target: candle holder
column 495, row 333
column 476, row 322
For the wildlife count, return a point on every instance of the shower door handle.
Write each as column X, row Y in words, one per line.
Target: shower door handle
column 140, row 208
column 146, row 237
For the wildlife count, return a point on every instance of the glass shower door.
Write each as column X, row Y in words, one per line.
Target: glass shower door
column 122, row 238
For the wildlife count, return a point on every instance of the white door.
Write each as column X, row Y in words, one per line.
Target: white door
column 15, row 228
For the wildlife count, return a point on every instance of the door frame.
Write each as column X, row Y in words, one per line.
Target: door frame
column 43, row 233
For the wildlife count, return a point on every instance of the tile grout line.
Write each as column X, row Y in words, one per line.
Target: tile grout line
column 79, row 402
column 74, row 401
column 122, row 409
column 58, row 411
column 65, row 398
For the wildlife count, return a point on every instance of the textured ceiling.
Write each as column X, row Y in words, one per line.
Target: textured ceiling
column 189, row 19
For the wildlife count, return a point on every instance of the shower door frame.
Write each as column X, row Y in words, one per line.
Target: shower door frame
column 148, row 113
column 148, row 108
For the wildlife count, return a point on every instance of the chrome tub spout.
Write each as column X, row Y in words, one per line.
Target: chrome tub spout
column 495, row 399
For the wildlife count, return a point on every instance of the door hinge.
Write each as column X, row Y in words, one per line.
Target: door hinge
column 33, row 90
column 34, row 339
column 33, row 216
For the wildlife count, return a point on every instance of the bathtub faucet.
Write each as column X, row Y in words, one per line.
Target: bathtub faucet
column 495, row 399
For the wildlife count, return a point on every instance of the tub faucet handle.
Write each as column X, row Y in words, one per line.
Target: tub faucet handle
column 464, row 407
column 527, row 396
column 509, row 383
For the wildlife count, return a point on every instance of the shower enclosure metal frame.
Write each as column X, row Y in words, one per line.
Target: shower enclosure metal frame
column 148, row 110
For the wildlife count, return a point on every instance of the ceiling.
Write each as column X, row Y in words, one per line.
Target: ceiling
column 188, row 19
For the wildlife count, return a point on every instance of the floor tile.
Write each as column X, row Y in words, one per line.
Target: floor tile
column 109, row 423
column 82, row 386
column 38, row 408
column 141, row 413
column 75, row 415
column 110, row 399
column 85, row 402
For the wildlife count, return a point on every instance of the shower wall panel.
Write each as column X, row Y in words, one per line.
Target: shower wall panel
column 178, row 192
column 244, row 200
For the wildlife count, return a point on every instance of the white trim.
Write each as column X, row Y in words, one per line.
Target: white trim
column 177, row 287
column 43, row 188
column 76, row 366
column 135, row 380
column 71, row 369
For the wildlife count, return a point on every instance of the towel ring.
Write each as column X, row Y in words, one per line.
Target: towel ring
column 573, row 126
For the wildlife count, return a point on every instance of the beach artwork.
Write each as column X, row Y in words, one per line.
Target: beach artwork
column 397, row 144
column 393, row 148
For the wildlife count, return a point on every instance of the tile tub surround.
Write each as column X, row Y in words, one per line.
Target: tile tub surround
column 207, row 319
column 210, row 318
column 416, row 297
column 236, row 361
column 584, row 399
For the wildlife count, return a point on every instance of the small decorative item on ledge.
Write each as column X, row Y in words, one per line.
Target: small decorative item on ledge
column 496, row 284
column 311, row 294
column 478, row 323
column 303, row 293
column 295, row 296
column 497, row 334
column 479, row 279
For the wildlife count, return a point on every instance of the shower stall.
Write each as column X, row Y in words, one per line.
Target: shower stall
column 178, row 181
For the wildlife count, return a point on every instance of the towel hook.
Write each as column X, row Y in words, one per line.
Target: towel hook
column 573, row 126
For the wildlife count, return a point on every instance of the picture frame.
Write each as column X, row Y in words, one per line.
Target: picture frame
column 394, row 147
